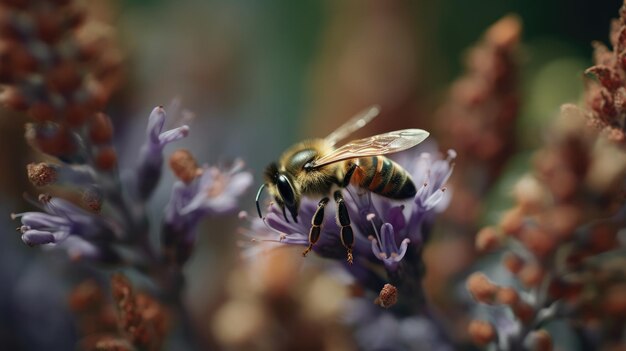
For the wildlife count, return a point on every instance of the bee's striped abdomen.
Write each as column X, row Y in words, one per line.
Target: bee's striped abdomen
column 383, row 176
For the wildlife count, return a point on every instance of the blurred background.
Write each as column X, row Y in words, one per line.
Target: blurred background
column 259, row 76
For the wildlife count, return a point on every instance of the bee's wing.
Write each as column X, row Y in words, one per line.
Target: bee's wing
column 356, row 122
column 376, row 145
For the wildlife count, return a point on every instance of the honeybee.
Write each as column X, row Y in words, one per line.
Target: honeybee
column 315, row 167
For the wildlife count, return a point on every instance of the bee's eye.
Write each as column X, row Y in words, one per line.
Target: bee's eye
column 285, row 190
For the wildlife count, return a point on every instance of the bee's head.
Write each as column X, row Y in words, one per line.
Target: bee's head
column 281, row 186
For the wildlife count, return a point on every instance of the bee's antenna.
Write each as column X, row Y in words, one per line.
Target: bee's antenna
column 258, row 195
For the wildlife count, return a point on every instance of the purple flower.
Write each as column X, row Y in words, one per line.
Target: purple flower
column 385, row 248
column 393, row 227
column 213, row 192
column 66, row 226
column 123, row 226
column 150, row 164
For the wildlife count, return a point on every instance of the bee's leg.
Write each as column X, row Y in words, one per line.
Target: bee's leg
column 348, row 176
column 343, row 219
column 316, row 225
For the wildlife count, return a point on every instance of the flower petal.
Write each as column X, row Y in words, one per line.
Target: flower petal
column 155, row 124
column 173, row 134
column 38, row 237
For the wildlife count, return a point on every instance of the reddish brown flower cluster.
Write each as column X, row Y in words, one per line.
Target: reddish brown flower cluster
column 60, row 67
column 95, row 317
column 141, row 319
column 139, row 324
column 478, row 117
column 606, row 97
column 557, row 228
column 487, row 292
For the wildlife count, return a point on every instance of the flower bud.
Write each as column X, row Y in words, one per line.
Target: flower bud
column 184, row 165
column 101, row 129
column 512, row 262
column 507, row 296
column 487, row 239
column 387, row 297
column 539, row 340
column 41, row 174
column 481, row 287
column 481, row 332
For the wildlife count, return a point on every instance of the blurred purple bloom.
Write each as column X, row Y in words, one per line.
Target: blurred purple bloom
column 150, row 161
column 379, row 329
column 214, row 192
column 66, row 226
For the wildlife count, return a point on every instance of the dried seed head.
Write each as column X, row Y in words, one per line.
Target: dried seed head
column 481, row 288
column 481, row 332
column 505, row 33
column 41, row 174
column 101, row 129
column 507, row 296
column 524, row 312
column 64, row 78
column 106, row 158
column 512, row 221
column 539, row 340
column 538, row 241
column 42, row 111
column 387, row 297
column 531, row 275
column 75, row 114
column 487, row 239
column 529, row 194
column 52, row 140
column 512, row 262
column 184, row 165
column 87, row 295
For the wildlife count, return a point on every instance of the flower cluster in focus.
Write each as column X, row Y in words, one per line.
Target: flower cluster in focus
column 389, row 236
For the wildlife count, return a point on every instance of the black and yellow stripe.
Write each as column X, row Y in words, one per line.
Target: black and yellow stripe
column 381, row 175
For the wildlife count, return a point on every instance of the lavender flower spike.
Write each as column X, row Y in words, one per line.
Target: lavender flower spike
column 151, row 155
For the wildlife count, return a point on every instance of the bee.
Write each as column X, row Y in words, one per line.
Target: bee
column 316, row 168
